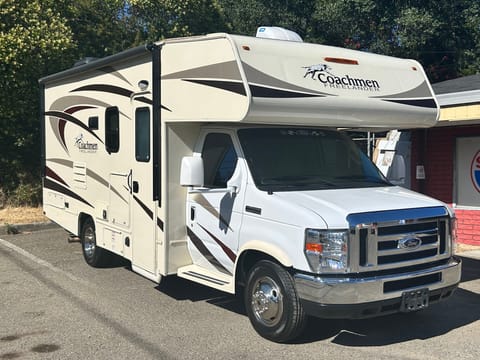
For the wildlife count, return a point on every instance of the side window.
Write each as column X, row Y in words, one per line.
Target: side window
column 219, row 160
column 93, row 122
column 142, row 134
column 112, row 130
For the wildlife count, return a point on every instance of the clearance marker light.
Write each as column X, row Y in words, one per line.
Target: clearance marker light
column 246, row 47
column 341, row 61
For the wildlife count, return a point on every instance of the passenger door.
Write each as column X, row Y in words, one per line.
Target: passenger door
column 141, row 187
column 215, row 211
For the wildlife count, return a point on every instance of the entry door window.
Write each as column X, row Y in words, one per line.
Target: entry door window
column 219, row 160
column 142, row 134
column 467, row 183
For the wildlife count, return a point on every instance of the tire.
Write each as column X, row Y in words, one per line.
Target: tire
column 272, row 304
column 94, row 255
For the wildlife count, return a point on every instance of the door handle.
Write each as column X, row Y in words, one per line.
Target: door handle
column 129, row 181
column 192, row 213
column 135, row 187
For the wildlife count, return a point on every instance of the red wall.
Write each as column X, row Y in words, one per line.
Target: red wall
column 435, row 149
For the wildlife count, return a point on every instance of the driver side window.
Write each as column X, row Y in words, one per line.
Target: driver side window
column 219, row 160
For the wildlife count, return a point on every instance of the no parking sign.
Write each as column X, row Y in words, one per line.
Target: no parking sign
column 475, row 171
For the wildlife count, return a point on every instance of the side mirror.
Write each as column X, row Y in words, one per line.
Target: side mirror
column 191, row 172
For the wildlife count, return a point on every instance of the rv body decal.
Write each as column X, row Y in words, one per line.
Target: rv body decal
column 90, row 174
column 52, row 174
column 231, row 255
column 59, row 119
column 49, row 184
column 148, row 211
column 428, row 103
column 198, row 243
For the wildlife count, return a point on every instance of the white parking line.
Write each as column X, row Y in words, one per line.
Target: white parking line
column 42, row 262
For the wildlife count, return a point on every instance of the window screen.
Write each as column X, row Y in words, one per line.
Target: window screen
column 142, row 134
column 112, row 130
column 219, row 159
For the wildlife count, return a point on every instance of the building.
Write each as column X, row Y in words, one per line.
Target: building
column 445, row 159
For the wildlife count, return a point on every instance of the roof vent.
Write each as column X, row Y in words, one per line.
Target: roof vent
column 278, row 33
column 84, row 61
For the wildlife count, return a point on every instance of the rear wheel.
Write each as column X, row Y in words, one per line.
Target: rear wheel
column 272, row 303
column 94, row 255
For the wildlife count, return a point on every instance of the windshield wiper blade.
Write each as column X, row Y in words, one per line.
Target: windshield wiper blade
column 362, row 178
column 297, row 181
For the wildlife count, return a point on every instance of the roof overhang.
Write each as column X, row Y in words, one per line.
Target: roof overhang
column 458, row 98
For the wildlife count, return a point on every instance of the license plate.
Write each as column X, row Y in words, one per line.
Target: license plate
column 414, row 300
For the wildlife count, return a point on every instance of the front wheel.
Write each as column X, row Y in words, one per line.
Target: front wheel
column 94, row 255
column 272, row 304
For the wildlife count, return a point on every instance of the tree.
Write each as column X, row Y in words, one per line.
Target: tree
column 100, row 27
column 34, row 39
column 441, row 34
column 157, row 19
column 244, row 17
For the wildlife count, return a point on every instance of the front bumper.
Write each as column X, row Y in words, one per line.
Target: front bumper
column 357, row 297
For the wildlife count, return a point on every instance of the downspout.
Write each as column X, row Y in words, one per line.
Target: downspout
column 156, row 123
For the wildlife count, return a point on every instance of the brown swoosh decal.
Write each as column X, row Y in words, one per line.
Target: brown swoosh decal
column 231, row 255
column 203, row 202
column 205, row 252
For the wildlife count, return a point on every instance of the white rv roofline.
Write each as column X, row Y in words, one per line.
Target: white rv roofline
column 108, row 60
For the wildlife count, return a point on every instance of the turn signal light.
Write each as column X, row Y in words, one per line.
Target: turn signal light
column 315, row 247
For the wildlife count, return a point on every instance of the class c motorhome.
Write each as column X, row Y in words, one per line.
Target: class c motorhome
column 224, row 160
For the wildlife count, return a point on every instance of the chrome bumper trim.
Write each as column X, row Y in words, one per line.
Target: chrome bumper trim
column 344, row 290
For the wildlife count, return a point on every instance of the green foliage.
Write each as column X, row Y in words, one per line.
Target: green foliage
column 34, row 40
column 100, row 27
column 172, row 18
column 440, row 34
column 40, row 37
column 244, row 17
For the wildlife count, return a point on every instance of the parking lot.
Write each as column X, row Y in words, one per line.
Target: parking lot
column 53, row 306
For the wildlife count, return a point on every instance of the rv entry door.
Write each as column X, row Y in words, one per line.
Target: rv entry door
column 140, row 183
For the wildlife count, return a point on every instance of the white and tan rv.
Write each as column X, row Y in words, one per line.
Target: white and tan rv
column 223, row 159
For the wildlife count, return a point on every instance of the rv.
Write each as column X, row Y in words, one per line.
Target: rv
column 225, row 160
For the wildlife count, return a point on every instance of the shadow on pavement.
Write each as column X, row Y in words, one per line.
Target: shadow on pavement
column 459, row 310
column 182, row 289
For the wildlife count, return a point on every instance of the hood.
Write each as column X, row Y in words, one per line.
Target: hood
column 333, row 206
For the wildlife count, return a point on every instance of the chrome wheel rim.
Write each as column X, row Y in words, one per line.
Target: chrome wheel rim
column 89, row 242
column 267, row 301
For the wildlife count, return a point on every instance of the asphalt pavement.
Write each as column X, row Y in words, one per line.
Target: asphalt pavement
column 54, row 306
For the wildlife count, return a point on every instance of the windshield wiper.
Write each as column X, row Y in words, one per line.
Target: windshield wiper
column 297, row 180
column 363, row 178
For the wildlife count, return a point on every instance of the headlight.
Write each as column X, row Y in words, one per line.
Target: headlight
column 327, row 250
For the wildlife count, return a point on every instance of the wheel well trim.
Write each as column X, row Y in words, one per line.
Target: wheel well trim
column 82, row 217
column 268, row 249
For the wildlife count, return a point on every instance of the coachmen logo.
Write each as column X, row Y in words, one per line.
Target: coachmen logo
column 85, row 146
column 322, row 73
column 409, row 242
column 475, row 171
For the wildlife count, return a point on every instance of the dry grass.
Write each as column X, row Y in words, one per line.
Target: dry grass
column 21, row 215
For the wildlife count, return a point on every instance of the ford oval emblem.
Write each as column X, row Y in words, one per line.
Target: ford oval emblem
column 409, row 242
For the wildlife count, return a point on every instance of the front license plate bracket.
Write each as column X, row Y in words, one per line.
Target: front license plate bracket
column 414, row 300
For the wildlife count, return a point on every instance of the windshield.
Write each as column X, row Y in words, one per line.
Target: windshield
column 283, row 159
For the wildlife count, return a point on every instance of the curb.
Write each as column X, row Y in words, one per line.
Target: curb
column 21, row 228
